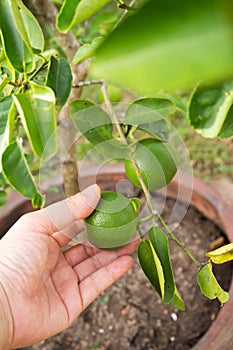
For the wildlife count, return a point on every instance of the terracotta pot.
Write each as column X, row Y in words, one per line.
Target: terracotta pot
column 200, row 194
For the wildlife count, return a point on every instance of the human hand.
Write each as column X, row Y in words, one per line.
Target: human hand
column 42, row 288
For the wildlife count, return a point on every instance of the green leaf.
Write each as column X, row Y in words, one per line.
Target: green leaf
column 178, row 101
column 136, row 203
column 159, row 241
column 3, row 83
column 101, row 24
column 151, row 266
column 14, row 36
column 227, row 128
column 32, row 27
column 92, row 121
column 161, row 105
column 5, row 107
column 209, row 109
column 157, row 129
column 2, row 180
column 87, row 50
column 222, row 254
column 37, row 111
column 3, row 198
column 113, row 149
column 60, row 79
column 17, row 173
column 154, row 258
column 74, row 12
column 96, row 126
column 11, row 122
column 149, row 115
column 138, row 114
column 7, row 74
column 177, row 301
column 209, row 285
column 181, row 44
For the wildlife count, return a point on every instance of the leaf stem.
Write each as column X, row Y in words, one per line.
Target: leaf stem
column 111, row 112
column 145, row 219
column 126, row 9
column 42, row 66
column 140, row 232
column 124, row 140
column 177, row 241
column 142, row 183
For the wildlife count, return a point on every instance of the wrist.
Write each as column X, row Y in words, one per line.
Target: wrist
column 6, row 329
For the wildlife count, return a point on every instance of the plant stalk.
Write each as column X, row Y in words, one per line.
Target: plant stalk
column 124, row 140
column 145, row 219
column 142, row 183
column 177, row 241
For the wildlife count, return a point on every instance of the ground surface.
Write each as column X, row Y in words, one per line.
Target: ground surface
column 129, row 315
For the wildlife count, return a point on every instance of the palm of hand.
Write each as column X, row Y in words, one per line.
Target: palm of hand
column 45, row 296
column 51, row 288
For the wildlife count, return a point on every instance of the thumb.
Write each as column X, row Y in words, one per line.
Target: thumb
column 64, row 213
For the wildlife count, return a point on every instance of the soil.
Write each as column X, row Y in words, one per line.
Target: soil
column 130, row 315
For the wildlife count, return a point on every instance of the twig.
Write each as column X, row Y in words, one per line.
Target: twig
column 145, row 219
column 126, row 10
column 111, row 112
column 81, row 84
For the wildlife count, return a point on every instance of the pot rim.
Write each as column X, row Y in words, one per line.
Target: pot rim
column 201, row 194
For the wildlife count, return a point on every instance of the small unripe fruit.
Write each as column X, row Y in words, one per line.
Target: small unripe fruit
column 156, row 164
column 113, row 223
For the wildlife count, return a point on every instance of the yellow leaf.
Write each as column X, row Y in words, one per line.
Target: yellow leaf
column 159, row 269
column 222, row 254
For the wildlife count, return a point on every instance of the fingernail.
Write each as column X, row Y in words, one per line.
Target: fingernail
column 91, row 195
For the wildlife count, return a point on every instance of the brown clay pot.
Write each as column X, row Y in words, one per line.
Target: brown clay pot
column 203, row 196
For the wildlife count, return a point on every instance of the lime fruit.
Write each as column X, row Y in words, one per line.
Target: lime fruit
column 156, row 163
column 113, row 223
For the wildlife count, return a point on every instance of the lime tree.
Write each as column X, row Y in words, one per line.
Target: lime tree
column 113, row 222
column 155, row 161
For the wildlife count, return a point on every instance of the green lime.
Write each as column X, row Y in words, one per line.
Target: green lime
column 156, row 164
column 113, row 223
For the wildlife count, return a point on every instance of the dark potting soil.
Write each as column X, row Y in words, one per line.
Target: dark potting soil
column 130, row 315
